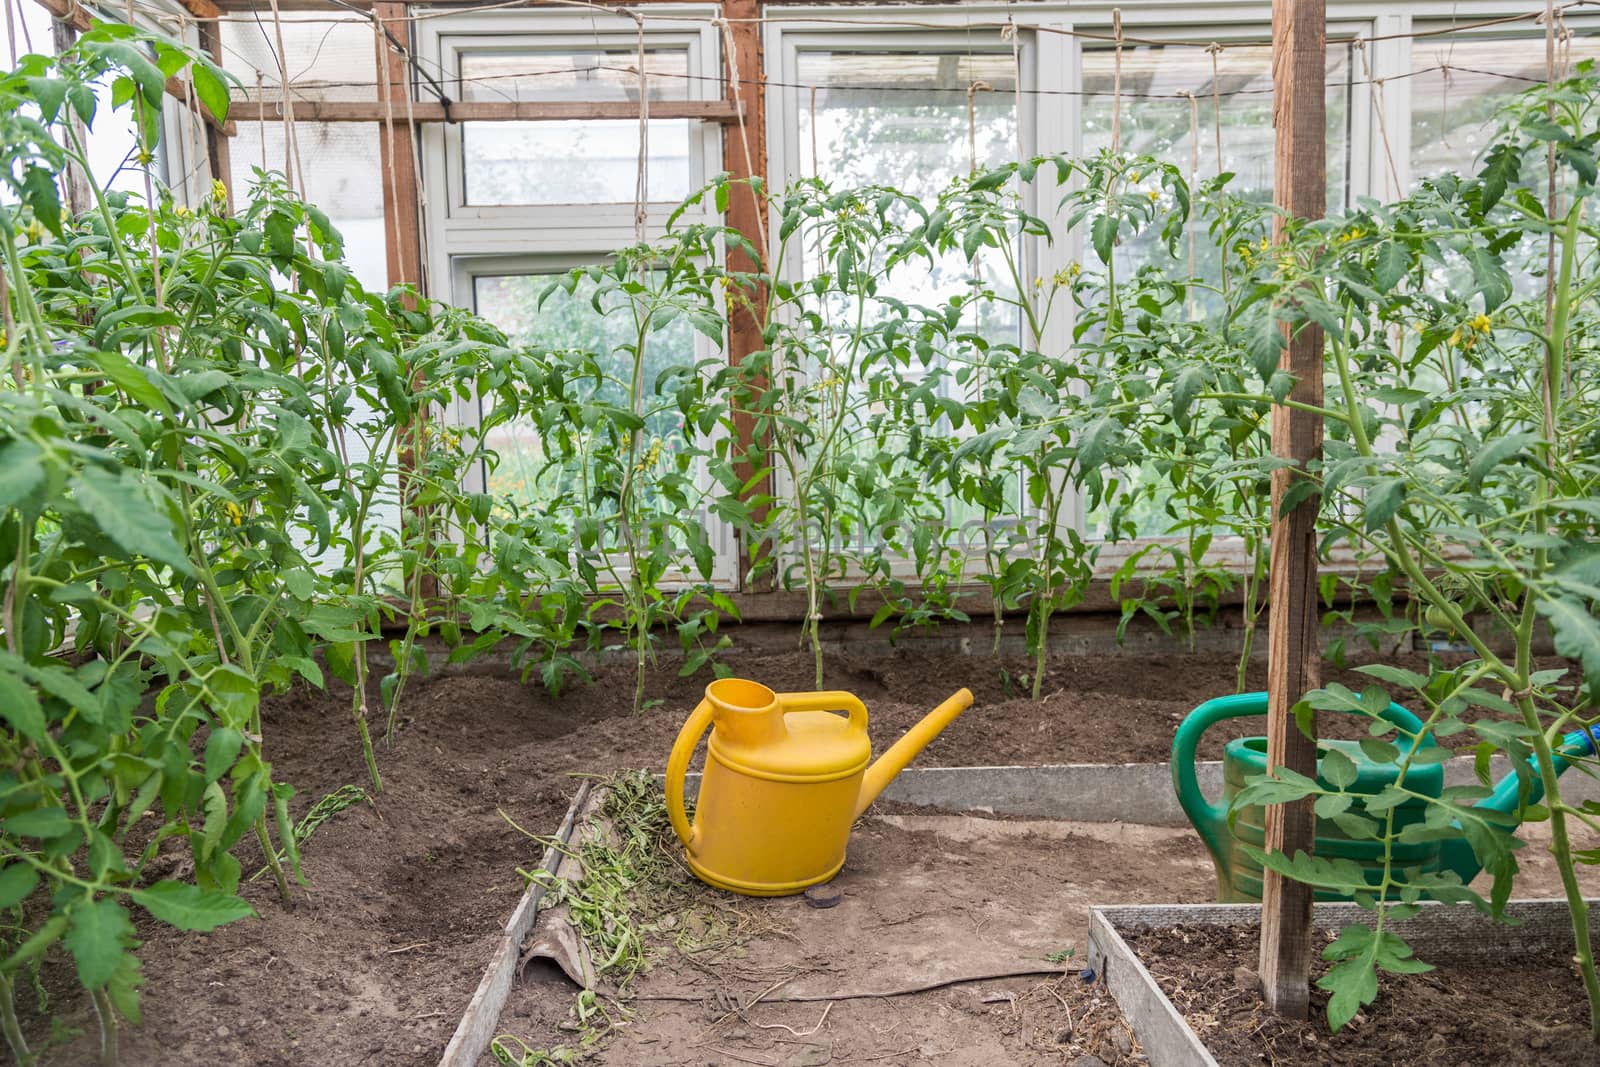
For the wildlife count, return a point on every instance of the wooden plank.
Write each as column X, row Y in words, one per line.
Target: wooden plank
column 202, row 9
column 1294, row 657
column 1163, row 1033
column 478, row 1023
column 1440, row 933
column 744, row 154
column 481, row 110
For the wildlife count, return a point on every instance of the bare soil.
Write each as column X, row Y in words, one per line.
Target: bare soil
column 1515, row 1012
column 956, row 941
column 379, row 954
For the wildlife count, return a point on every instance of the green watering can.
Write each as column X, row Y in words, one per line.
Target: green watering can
column 1239, row 876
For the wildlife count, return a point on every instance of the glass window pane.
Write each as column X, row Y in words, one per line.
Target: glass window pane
column 525, row 474
column 580, row 161
column 340, row 171
column 900, row 118
column 332, row 56
column 1457, row 91
column 1156, row 120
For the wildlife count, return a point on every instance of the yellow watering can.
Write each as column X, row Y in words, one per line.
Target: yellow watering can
column 784, row 780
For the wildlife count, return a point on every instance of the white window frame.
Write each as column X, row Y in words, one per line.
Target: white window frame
column 456, row 228
column 1047, row 61
column 466, row 241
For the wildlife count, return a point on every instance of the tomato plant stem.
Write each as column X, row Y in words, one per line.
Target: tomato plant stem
column 8, row 1022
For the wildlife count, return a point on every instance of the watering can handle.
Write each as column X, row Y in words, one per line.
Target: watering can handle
column 835, row 700
column 683, row 750
column 1211, row 820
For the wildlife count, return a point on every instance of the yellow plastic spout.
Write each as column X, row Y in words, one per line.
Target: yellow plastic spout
column 903, row 751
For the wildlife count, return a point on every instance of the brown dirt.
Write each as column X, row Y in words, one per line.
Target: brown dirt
column 380, row 953
column 924, row 899
column 1515, row 1012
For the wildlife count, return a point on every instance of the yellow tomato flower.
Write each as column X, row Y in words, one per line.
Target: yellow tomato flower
column 234, row 512
column 1481, row 323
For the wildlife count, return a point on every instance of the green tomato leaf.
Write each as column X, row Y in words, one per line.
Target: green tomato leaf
column 100, row 935
column 189, row 907
column 1576, row 632
column 17, row 880
column 1393, row 262
column 1383, row 500
column 1338, row 769
column 46, row 824
column 21, row 473
column 125, row 514
column 131, row 379
column 222, row 749
column 19, row 706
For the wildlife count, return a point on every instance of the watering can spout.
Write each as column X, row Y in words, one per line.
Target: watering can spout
column 1457, row 854
column 903, row 751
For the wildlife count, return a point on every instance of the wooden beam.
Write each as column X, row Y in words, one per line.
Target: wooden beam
column 1294, row 654
column 204, row 10
column 72, row 14
column 744, row 155
column 482, row 111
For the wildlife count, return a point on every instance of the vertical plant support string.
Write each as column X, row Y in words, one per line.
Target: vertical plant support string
column 1214, row 49
column 642, row 181
column 285, row 106
column 1360, row 45
column 972, row 123
column 1116, row 82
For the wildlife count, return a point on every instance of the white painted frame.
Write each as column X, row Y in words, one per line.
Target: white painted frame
column 455, row 228
column 1047, row 123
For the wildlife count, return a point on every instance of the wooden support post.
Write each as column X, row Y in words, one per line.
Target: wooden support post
column 744, row 155
column 1299, row 42
column 402, row 214
column 80, row 197
column 397, row 149
column 217, row 154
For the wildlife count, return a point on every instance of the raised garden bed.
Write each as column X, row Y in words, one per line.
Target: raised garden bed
column 1185, row 978
column 408, row 895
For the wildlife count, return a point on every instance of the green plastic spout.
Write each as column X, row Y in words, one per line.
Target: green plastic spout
column 1456, row 854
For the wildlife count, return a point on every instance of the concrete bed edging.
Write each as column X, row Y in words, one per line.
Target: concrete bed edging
column 1106, row 792
column 476, row 1029
column 1439, row 933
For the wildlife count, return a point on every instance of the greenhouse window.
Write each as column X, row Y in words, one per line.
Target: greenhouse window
column 577, row 161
